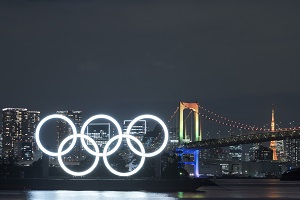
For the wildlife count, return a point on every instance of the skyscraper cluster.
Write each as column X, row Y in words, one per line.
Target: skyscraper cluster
column 18, row 127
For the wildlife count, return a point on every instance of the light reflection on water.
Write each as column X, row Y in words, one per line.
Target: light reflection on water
column 227, row 189
column 90, row 195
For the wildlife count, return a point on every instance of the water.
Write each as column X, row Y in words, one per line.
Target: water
column 227, row 189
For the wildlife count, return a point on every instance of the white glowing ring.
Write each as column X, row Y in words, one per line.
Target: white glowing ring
column 166, row 138
column 61, row 163
column 101, row 116
column 37, row 134
column 123, row 173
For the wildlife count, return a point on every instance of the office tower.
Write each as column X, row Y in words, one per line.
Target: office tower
column 252, row 150
column 33, row 120
column 64, row 130
column 235, row 152
column 217, row 153
column 263, row 153
column 293, row 150
column 173, row 137
column 100, row 133
column 1, row 144
column 138, row 130
column 280, row 150
column 18, row 134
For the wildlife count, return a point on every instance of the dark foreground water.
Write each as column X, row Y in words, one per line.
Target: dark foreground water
column 227, row 189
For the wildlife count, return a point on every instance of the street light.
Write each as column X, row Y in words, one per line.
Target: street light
column 208, row 136
column 292, row 124
column 278, row 127
column 229, row 132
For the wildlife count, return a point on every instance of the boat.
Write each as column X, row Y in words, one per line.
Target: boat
column 291, row 175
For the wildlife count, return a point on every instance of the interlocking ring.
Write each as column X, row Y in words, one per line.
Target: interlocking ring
column 105, row 152
column 119, row 129
column 166, row 138
column 39, row 126
column 61, row 163
column 126, row 173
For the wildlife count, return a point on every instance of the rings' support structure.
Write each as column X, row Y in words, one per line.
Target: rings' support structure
column 181, row 151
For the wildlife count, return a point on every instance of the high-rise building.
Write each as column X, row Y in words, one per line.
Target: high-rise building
column 280, row 150
column 64, row 130
column 235, row 153
column 293, row 150
column 260, row 153
column 263, row 153
column 173, row 137
column 255, row 146
column 33, row 120
column 138, row 130
column 1, row 144
column 18, row 134
column 217, row 153
column 100, row 133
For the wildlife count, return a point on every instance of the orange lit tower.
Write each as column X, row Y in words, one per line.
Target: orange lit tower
column 197, row 136
column 273, row 143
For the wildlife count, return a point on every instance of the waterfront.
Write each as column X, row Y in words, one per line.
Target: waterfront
column 227, row 189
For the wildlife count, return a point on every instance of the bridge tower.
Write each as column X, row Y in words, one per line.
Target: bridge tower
column 273, row 143
column 197, row 134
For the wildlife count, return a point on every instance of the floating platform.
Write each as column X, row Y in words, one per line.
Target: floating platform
column 163, row 185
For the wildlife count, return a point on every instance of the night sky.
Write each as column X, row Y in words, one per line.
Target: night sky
column 125, row 58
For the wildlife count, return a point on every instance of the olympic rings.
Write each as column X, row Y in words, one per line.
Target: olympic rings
column 105, row 152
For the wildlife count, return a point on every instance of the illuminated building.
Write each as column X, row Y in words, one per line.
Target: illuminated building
column 33, row 120
column 0, row 143
column 18, row 128
column 273, row 143
column 139, row 129
column 217, row 153
column 293, row 150
column 64, row 130
column 263, row 153
column 252, row 150
column 235, row 153
column 174, row 138
column 100, row 133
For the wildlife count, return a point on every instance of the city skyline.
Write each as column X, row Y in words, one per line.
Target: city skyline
column 218, row 81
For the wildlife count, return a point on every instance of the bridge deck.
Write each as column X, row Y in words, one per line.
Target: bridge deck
column 243, row 139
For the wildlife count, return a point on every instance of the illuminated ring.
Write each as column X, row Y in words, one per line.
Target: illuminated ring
column 39, row 126
column 165, row 142
column 101, row 116
column 63, row 166
column 123, row 173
